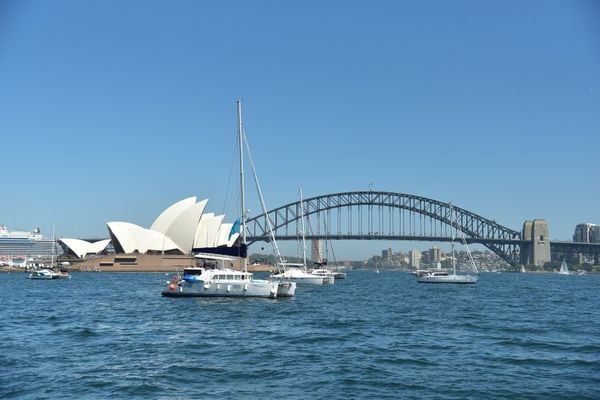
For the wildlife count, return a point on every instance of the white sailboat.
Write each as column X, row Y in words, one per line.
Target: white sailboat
column 322, row 263
column 523, row 270
column 212, row 278
column 564, row 269
column 296, row 272
column 444, row 276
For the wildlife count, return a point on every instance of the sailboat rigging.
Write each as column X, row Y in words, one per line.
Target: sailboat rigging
column 444, row 276
column 213, row 278
column 297, row 272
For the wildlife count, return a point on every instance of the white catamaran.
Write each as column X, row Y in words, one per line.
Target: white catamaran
column 445, row 276
column 212, row 278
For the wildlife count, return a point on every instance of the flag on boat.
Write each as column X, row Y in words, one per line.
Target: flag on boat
column 234, row 229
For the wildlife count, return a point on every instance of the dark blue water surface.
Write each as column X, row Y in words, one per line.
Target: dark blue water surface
column 103, row 335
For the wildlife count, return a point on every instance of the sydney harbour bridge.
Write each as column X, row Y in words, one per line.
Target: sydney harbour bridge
column 373, row 215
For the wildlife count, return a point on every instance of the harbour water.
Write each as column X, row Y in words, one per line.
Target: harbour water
column 102, row 335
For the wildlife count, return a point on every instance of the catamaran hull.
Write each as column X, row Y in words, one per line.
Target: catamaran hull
column 461, row 279
column 264, row 289
column 286, row 289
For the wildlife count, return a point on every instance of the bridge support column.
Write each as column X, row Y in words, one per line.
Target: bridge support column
column 537, row 251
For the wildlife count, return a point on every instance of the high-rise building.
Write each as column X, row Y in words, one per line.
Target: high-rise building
column 435, row 255
column 586, row 233
column 384, row 254
column 596, row 234
column 415, row 258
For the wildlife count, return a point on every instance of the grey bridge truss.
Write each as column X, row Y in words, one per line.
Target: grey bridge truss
column 371, row 215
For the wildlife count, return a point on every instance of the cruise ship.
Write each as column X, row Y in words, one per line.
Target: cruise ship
column 24, row 244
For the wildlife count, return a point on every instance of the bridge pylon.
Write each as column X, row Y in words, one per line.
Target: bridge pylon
column 536, row 250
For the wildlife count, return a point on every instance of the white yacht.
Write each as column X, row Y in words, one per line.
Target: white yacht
column 212, row 278
column 40, row 274
column 445, row 276
column 442, row 276
column 328, row 275
column 48, row 274
column 54, row 272
column 296, row 272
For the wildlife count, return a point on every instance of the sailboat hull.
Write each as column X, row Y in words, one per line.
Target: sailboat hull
column 460, row 279
column 300, row 280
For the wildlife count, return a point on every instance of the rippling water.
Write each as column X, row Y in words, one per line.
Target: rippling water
column 371, row 336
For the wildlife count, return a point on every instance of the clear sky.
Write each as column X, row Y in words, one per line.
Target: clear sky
column 114, row 110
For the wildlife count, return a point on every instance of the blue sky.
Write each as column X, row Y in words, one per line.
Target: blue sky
column 114, row 110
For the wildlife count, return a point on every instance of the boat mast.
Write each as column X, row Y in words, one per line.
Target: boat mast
column 453, row 237
column 53, row 245
column 303, row 234
column 242, row 193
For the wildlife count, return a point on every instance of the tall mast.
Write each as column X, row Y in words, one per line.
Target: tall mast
column 53, row 245
column 303, row 234
column 242, row 193
column 453, row 237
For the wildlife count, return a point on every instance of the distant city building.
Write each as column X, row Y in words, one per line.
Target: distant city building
column 385, row 254
column 587, row 233
column 538, row 251
column 317, row 250
column 435, row 255
column 415, row 258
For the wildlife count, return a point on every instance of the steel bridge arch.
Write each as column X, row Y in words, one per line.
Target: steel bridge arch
column 503, row 241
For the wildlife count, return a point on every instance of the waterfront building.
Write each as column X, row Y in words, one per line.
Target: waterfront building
column 83, row 248
column 183, row 228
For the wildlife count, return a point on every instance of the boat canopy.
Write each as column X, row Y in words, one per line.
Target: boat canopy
column 207, row 256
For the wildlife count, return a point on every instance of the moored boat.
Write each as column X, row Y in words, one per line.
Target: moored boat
column 564, row 269
column 213, row 280
column 41, row 274
column 327, row 274
column 445, row 276
column 293, row 272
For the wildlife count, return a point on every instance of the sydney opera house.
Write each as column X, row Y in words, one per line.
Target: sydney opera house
column 180, row 231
